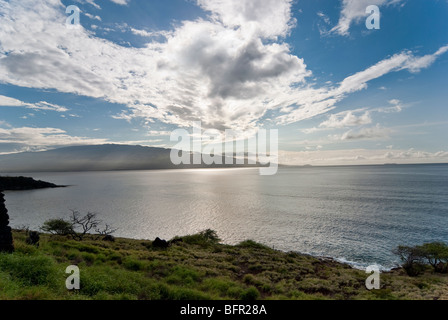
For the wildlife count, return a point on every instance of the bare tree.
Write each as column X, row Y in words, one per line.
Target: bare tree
column 85, row 223
column 106, row 231
column 78, row 226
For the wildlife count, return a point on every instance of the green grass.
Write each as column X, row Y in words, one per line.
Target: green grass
column 198, row 267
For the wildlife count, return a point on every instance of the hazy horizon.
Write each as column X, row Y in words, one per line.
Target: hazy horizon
column 29, row 165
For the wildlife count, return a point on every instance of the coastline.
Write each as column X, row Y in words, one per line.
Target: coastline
column 21, row 183
column 194, row 267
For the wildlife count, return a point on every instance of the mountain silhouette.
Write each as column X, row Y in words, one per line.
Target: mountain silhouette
column 96, row 158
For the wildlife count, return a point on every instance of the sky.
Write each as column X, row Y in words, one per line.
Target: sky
column 135, row 70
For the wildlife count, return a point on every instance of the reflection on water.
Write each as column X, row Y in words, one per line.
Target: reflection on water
column 354, row 213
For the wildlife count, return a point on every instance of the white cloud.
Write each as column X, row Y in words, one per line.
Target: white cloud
column 361, row 157
column 142, row 33
column 267, row 18
column 91, row 16
column 159, row 133
column 4, row 124
column 323, row 27
column 415, row 64
column 396, row 106
column 150, row 34
column 313, row 102
column 26, row 137
column 324, row 17
column 353, row 11
column 11, row 102
column 372, row 133
column 204, row 71
column 42, row 105
column 364, row 133
column 121, row 2
column 47, row 106
column 91, row 2
column 220, row 71
column 402, row 61
column 347, row 119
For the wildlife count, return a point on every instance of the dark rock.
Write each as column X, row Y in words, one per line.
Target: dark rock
column 6, row 241
column 109, row 237
column 33, row 238
column 175, row 240
column 159, row 243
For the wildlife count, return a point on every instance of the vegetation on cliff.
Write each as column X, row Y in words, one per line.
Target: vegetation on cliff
column 193, row 267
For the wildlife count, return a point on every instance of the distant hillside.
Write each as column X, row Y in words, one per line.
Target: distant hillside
column 95, row 158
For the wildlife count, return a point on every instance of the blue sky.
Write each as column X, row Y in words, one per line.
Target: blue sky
column 135, row 70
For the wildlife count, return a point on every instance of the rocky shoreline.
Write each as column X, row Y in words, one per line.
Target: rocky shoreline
column 24, row 183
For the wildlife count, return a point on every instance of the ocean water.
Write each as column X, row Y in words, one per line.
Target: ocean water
column 353, row 214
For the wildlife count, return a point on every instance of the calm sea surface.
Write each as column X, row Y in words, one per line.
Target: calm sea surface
column 355, row 214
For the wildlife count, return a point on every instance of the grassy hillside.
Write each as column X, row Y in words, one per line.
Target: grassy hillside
column 194, row 268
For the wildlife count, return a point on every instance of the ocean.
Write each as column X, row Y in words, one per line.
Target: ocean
column 355, row 214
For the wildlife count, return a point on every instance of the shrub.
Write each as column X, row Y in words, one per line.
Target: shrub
column 133, row 264
column 183, row 276
column 414, row 269
column 168, row 292
column 252, row 244
column 57, row 226
column 224, row 287
column 249, row 279
column 22, row 247
column 30, row 270
column 250, row 294
column 411, row 258
column 210, row 235
column 408, row 255
column 89, row 258
column 416, row 258
column 436, row 254
column 205, row 237
column 85, row 224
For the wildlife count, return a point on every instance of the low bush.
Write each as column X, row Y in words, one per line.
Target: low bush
column 32, row 270
column 416, row 258
column 203, row 238
column 57, row 226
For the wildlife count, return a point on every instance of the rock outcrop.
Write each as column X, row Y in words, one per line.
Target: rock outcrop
column 159, row 243
column 6, row 241
column 24, row 183
column 33, row 238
